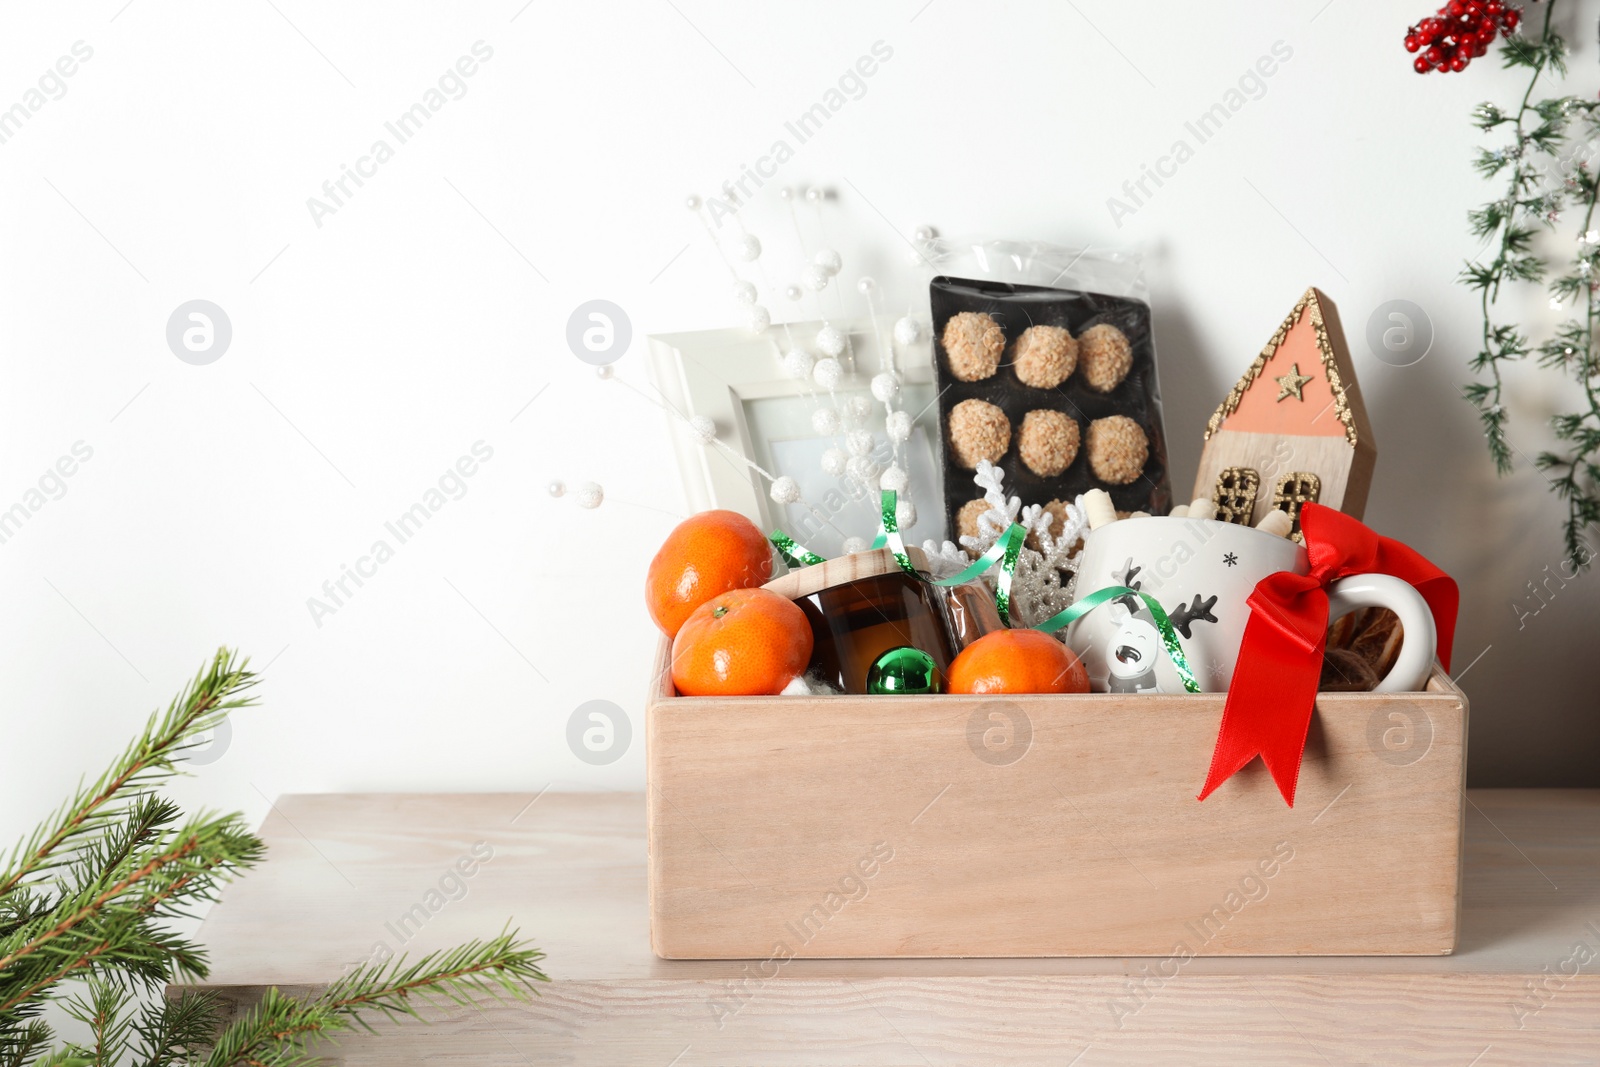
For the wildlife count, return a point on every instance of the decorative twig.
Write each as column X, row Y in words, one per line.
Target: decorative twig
column 1507, row 220
column 1575, row 477
column 1540, row 130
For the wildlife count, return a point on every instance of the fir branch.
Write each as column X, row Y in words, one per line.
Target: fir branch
column 102, row 1007
column 502, row 964
column 21, row 1045
column 151, row 758
column 21, row 907
column 141, row 827
column 175, row 1031
column 275, row 1032
column 86, row 925
column 85, row 899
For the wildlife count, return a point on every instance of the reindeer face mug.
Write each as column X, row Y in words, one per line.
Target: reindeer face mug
column 1202, row 572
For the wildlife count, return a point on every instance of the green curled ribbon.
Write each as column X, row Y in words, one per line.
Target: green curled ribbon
column 793, row 553
column 1003, row 553
column 1169, row 637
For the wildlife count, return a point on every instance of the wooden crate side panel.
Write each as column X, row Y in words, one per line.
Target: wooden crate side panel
column 889, row 827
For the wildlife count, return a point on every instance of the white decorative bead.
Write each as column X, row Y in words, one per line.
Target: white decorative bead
column 825, row 421
column 830, row 341
column 815, row 278
column 798, row 363
column 894, row 477
column 862, row 469
column 1277, row 523
column 786, row 193
column 758, row 319
column 898, row 423
column 692, row 202
column 703, row 428
column 793, row 292
column 604, row 372
column 589, row 495
column 858, row 409
column 905, row 514
column 785, row 490
column 859, row 442
column 852, row 545
column 885, row 386
column 828, row 373
column 924, row 233
column 747, row 247
column 907, row 331
column 557, row 488
column 834, row 461
column 815, row 194
column 744, row 293
column 865, row 286
column 829, row 260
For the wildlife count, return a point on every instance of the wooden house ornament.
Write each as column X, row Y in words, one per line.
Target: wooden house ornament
column 1293, row 429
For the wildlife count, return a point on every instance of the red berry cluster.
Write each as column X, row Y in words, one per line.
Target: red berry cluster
column 1462, row 31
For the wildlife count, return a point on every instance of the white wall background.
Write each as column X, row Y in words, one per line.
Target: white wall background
column 369, row 353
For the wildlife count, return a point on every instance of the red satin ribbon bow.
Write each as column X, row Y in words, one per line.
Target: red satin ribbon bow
column 1274, row 686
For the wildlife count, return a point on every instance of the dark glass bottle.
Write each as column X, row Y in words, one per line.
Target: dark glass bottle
column 857, row 621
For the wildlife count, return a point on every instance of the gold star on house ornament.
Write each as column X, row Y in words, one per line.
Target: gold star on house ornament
column 1292, row 383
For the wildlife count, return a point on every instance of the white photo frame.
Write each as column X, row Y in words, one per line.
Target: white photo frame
column 736, row 379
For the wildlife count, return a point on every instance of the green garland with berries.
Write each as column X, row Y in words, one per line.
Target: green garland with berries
column 1545, row 173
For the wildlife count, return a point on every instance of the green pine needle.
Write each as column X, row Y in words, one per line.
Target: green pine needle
column 176, row 1031
column 152, row 758
column 85, row 899
column 278, row 1030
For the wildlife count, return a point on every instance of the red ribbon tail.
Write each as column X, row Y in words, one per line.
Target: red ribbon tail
column 1269, row 708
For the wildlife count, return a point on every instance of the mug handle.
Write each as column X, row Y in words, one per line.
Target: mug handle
column 1415, row 662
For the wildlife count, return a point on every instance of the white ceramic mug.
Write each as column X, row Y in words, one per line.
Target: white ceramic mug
column 1202, row 572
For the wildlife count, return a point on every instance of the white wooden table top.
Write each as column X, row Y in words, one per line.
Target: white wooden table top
column 351, row 876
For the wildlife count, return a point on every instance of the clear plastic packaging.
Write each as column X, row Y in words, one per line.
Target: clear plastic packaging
column 1061, row 412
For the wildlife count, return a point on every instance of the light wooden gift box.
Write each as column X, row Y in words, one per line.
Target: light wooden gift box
column 1025, row 826
column 952, row 825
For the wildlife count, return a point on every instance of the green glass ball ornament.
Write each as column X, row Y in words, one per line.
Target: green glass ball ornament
column 903, row 670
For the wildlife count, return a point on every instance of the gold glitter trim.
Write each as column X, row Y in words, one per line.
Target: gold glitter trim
column 1235, row 494
column 1294, row 492
column 1341, row 403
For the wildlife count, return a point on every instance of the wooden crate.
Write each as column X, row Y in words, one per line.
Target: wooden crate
column 938, row 826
